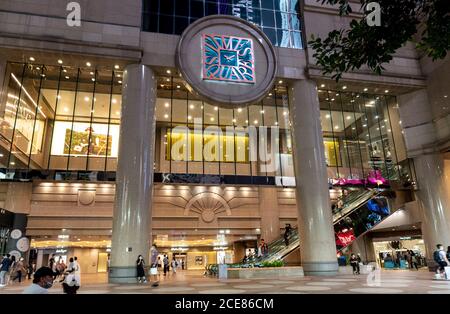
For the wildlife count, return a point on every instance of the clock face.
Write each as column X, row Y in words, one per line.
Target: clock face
column 228, row 58
column 23, row 244
column 16, row 233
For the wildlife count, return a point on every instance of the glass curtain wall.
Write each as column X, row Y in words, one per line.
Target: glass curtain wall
column 68, row 119
column 62, row 118
column 362, row 133
column 197, row 137
column 278, row 19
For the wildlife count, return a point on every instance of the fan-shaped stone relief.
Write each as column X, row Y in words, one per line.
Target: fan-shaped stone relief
column 207, row 205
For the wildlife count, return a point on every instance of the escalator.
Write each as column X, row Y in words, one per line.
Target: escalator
column 361, row 211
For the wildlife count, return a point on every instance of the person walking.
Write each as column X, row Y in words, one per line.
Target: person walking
column 174, row 266
column 12, row 269
column 42, row 281
column 19, row 270
column 71, row 280
column 4, row 269
column 414, row 260
column 140, row 263
column 166, row 264
column 355, row 264
column 440, row 257
column 30, row 269
column 154, row 259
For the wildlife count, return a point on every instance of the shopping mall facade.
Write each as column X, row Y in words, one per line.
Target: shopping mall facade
column 205, row 126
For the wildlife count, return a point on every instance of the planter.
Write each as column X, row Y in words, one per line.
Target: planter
column 265, row 272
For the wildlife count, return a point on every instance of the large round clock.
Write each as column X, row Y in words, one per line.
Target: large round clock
column 227, row 60
column 16, row 234
column 23, row 244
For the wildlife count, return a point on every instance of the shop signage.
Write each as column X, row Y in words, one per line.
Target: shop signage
column 227, row 60
column 62, row 251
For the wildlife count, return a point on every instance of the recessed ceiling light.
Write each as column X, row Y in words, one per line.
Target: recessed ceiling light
column 276, row 122
column 234, row 120
column 93, row 79
column 116, row 67
column 88, row 64
column 166, row 104
column 191, row 106
column 353, row 128
column 86, row 98
column 166, row 116
column 114, row 101
column 445, row 96
column 285, row 113
column 349, row 117
column 332, row 99
column 364, row 125
column 246, row 121
column 91, row 73
column 38, row 68
column 67, row 77
column 212, row 119
column 270, row 94
column 386, row 91
column 262, row 111
column 32, row 59
column 280, row 82
column 60, row 61
column 239, row 109
column 66, row 109
column 189, row 117
column 120, row 82
column 336, row 127
column 328, row 116
column 366, row 89
column 12, row 163
column 58, row 96
column 322, row 86
column 255, row 122
column 344, row 87
column 178, row 86
column 117, row 112
column 168, row 71
column 216, row 108
column 118, row 75
column 1, row 155
column 43, row 75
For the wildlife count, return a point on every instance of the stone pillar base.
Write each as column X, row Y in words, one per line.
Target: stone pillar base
column 320, row 268
column 122, row 275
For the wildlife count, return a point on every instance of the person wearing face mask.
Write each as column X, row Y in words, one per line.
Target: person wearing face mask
column 42, row 281
column 140, row 269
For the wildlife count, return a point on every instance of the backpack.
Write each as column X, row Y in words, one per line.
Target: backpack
column 436, row 256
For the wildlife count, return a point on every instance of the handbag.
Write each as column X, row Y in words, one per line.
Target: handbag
column 153, row 271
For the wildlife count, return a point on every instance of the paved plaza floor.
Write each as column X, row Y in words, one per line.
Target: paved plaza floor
column 193, row 282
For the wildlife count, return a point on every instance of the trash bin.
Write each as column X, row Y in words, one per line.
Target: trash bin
column 223, row 271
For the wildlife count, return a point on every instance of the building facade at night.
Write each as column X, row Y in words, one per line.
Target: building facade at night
column 205, row 126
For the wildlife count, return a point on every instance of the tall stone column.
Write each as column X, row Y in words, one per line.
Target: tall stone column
column 134, row 178
column 433, row 178
column 317, row 242
column 434, row 201
column 270, row 214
